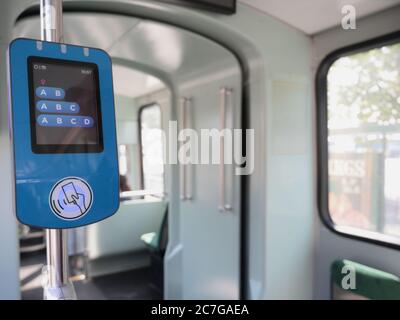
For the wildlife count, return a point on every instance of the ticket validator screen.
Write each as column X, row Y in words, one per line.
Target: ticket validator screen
column 65, row 106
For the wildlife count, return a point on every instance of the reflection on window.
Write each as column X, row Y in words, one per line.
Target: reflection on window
column 124, row 172
column 364, row 140
column 123, row 160
column 152, row 149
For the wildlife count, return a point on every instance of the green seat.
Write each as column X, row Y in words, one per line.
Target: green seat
column 370, row 283
column 157, row 244
column 157, row 241
column 150, row 239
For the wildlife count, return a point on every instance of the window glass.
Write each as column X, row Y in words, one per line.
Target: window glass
column 124, row 168
column 364, row 140
column 152, row 149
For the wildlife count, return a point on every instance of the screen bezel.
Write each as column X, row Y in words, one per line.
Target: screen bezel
column 62, row 148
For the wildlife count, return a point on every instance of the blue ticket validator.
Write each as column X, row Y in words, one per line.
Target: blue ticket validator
column 63, row 132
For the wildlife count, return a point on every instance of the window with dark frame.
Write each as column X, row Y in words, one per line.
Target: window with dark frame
column 358, row 95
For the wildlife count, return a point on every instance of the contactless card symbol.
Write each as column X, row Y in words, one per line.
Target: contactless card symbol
column 71, row 198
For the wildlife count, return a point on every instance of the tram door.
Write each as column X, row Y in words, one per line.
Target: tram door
column 203, row 261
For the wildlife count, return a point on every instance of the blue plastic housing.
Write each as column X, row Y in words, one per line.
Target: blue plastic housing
column 37, row 174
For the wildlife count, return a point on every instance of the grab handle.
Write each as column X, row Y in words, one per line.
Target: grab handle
column 185, row 171
column 182, row 171
column 223, row 204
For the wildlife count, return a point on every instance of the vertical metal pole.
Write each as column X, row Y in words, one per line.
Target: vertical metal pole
column 57, row 286
column 51, row 20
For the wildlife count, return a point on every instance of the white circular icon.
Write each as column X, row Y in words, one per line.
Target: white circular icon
column 71, row 198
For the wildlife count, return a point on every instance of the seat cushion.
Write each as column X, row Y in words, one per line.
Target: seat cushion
column 369, row 282
column 150, row 239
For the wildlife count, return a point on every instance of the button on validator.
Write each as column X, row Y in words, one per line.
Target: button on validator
column 50, row 93
column 46, row 120
column 57, row 106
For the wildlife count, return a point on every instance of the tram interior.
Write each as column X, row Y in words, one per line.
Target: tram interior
column 322, row 193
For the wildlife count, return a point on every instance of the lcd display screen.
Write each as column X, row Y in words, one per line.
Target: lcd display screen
column 65, row 106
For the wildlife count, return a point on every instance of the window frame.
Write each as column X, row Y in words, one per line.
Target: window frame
column 321, row 86
column 140, row 111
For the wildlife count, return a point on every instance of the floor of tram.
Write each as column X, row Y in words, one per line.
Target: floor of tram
column 128, row 285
